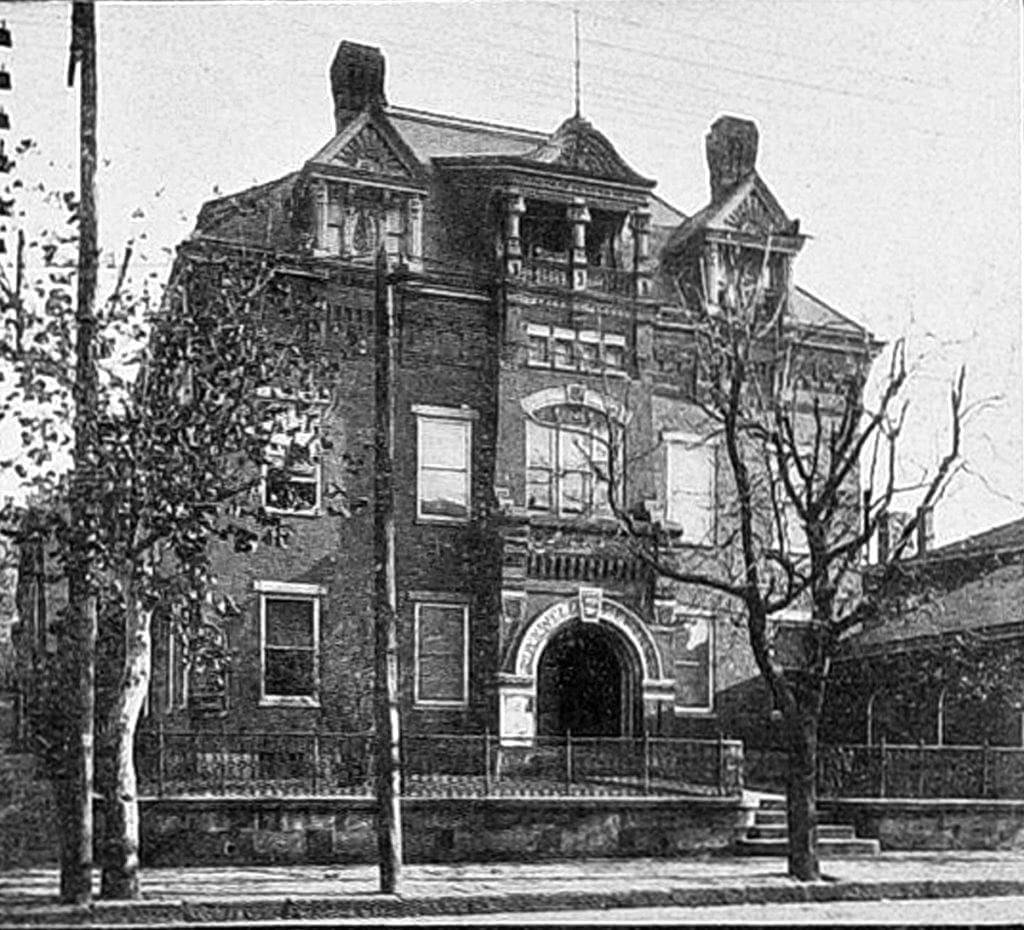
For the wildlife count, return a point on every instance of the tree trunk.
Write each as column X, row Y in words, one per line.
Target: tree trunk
column 802, row 797
column 120, row 863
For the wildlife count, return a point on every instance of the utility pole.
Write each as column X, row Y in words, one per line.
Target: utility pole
column 78, row 646
column 387, row 771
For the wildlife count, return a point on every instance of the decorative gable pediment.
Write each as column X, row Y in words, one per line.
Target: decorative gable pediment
column 369, row 151
column 753, row 210
column 578, row 147
column 369, row 147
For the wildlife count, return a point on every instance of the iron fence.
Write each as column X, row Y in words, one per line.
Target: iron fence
column 322, row 763
column 921, row 771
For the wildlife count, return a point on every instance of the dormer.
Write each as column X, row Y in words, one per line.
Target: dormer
column 742, row 243
column 574, row 213
column 367, row 185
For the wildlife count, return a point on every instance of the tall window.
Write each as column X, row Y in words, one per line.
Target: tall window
column 289, row 643
column 693, row 648
column 444, row 444
column 567, row 458
column 292, row 473
column 441, row 654
column 690, row 479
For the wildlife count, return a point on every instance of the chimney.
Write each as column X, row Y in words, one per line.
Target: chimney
column 925, row 529
column 731, row 147
column 357, row 80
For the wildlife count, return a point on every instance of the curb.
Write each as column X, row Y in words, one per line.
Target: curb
column 280, row 913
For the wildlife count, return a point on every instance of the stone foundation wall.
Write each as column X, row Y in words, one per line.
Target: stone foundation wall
column 932, row 824
column 204, row 831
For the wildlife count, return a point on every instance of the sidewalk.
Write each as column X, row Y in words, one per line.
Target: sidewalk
column 298, row 893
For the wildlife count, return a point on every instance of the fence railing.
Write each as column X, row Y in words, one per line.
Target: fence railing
column 610, row 280
column 281, row 764
column 921, row 771
column 890, row 770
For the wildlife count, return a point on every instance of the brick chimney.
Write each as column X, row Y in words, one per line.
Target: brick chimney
column 731, row 147
column 357, row 80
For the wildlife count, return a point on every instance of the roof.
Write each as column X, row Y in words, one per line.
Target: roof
column 257, row 215
column 575, row 147
column 806, row 309
column 433, row 135
column 984, row 601
column 1006, row 536
column 976, row 584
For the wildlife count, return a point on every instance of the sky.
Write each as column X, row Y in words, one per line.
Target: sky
column 891, row 129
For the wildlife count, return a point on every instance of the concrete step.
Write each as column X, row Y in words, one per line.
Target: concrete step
column 827, row 848
column 769, row 816
column 776, row 831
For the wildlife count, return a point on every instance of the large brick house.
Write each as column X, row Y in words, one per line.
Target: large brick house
column 538, row 300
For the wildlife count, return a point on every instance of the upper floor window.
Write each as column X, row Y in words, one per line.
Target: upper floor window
column 289, row 642
column 292, row 471
column 444, row 463
column 568, row 451
column 574, row 349
column 690, row 474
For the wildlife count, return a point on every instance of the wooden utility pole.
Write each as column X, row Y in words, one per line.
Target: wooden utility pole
column 387, row 760
column 78, row 645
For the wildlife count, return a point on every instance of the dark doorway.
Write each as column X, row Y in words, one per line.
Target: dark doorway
column 585, row 684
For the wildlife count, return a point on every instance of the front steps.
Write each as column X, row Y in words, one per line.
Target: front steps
column 769, row 836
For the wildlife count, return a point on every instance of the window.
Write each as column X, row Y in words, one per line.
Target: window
column 574, row 350
column 693, row 648
column 690, row 478
column 289, row 643
column 444, row 443
column 292, row 473
column 441, row 654
column 567, row 449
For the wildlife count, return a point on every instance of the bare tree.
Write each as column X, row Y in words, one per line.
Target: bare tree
column 798, row 446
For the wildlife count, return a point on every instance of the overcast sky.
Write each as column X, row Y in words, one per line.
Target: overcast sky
column 891, row 129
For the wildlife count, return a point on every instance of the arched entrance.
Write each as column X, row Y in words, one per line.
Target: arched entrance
column 588, row 683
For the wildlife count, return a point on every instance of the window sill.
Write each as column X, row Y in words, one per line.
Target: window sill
column 442, row 521
column 440, row 705
column 694, row 711
column 288, row 701
column 307, row 514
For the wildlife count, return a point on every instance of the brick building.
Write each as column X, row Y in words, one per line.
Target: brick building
column 539, row 305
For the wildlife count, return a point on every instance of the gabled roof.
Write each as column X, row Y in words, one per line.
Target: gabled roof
column 746, row 207
column 368, row 146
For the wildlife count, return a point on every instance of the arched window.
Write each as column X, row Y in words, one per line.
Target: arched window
column 569, row 448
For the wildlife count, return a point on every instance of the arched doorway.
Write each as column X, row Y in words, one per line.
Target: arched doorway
column 588, row 683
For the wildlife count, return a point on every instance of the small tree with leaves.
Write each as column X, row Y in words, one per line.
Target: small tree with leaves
column 191, row 400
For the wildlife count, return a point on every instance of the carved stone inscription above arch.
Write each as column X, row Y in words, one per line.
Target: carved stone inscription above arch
column 611, row 613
